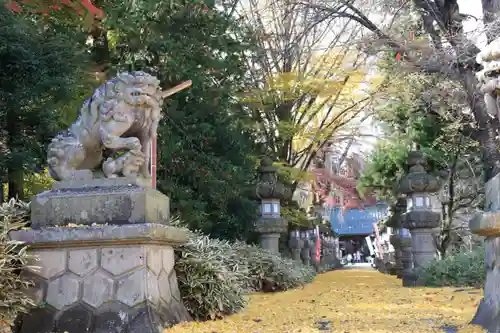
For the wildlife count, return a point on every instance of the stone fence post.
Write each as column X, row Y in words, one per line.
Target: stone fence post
column 270, row 225
column 114, row 270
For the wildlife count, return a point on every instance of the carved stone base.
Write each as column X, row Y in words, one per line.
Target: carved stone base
column 103, row 279
column 99, row 201
column 270, row 242
column 488, row 312
column 295, row 248
column 270, row 230
column 409, row 279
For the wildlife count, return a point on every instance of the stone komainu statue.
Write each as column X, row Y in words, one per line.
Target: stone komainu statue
column 121, row 116
column 489, row 76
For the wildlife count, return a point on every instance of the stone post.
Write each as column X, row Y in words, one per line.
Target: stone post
column 423, row 214
column 406, row 258
column 296, row 245
column 487, row 224
column 305, row 255
column 336, row 252
column 396, row 243
column 270, row 225
column 113, row 270
column 395, row 222
column 328, row 252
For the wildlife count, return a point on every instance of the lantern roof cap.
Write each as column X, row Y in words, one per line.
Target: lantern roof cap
column 417, row 179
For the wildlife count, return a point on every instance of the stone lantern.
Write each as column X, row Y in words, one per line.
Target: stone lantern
column 270, row 224
column 423, row 211
column 296, row 244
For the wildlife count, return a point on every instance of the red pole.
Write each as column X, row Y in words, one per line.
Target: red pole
column 153, row 161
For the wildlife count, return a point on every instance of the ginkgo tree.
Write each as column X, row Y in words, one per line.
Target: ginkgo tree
column 309, row 84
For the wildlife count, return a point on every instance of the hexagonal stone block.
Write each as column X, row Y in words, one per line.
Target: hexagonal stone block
column 130, row 288
column 153, row 292
column 97, row 289
column 74, row 320
column 48, row 263
column 81, row 262
column 62, row 291
column 118, row 260
column 164, row 287
column 38, row 320
column 168, row 259
column 174, row 286
column 153, row 259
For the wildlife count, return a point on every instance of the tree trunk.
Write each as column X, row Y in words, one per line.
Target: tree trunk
column 16, row 183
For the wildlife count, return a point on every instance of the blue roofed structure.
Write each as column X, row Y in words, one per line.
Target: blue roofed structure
column 357, row 221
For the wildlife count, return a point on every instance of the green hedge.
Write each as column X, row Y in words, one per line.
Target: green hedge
column 463, row 269
column 215, row 276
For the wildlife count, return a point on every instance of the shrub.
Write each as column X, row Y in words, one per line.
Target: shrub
column 463, row 269
column 14, row 297
column 215, row 276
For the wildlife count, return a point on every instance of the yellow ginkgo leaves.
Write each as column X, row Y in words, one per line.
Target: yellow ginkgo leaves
column 356, row 301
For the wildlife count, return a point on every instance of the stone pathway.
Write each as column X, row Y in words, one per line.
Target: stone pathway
column 354, row 301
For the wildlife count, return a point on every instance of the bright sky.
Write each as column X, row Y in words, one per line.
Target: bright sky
column 473, row 26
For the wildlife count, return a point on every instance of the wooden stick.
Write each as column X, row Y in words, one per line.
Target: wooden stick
column 176, row 89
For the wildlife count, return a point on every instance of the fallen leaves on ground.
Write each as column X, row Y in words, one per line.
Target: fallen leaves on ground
column 354, row 301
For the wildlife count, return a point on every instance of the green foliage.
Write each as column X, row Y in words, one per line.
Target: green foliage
column 39, row 70
column 35, row 183
column 215, row 275
column 14, row 296
column 463, row 269
column 295, row 216
column 205, row 162
column 384, row 168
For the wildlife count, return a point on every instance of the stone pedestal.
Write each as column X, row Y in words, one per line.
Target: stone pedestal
column 99, row 201
column 422, row 227
column 407, row 274
column 423, row 246
column 100, row 278
column 488, row 224
column 104, row 279
column 270, row 230
column 296, row 245
column 396, row 243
